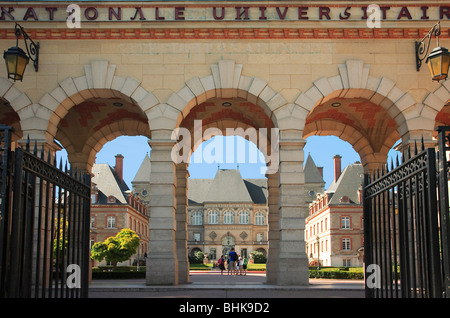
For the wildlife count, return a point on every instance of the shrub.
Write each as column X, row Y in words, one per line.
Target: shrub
column 259, row 257
column 336, row 273
column 120, row 272
column 197, row 258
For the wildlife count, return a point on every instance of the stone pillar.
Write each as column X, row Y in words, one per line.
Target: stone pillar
column 181, row 234
column 162, row 263
column 292, row 266
column 414, row 137
column 274, row 233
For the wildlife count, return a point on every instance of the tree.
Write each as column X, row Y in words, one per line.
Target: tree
column 116, row 249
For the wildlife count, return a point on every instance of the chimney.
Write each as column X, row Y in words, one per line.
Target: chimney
column 337, row 167
column 118, row 168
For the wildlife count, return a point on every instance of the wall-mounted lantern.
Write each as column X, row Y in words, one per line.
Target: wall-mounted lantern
column 16, row 59
column 439, row 59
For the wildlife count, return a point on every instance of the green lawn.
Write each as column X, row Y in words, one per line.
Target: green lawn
column 250, row 267
column 324, row 272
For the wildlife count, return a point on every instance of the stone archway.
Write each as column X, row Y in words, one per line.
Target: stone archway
column 435, row 108
column 88, row 96
column 15, row 110
column 167, row 262
column 370, row 113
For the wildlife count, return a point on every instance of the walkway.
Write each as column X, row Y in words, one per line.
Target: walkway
column 211, row 284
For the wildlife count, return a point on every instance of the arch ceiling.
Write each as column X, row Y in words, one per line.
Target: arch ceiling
column 443, row 117
column 9, row 117
column 229, row 113
column 363, row 110
column 355, row 120
column 89, row 125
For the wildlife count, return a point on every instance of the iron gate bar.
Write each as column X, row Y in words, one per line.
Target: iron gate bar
column 443, row 176
column 5, row 189
column 410, row 188
column 49, row 228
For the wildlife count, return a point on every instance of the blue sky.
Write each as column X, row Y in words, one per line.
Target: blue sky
column 134, row 149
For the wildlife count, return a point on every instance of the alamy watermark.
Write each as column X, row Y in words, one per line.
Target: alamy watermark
column 374, row 16
column 218, row 152
column 74, row 279
column 373, row 276
column 74, row 18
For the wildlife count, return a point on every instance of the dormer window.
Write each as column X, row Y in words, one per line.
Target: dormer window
column 111, row 199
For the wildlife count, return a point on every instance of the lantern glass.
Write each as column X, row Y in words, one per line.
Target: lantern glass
column 16, row 61
column 438, row 63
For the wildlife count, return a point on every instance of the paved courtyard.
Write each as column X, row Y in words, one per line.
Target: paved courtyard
column 214, row 285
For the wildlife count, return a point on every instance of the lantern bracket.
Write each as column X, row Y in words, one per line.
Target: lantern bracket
column 32, row 47
column 423, row 46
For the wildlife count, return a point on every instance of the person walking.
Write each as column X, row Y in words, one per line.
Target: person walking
column 221, row 263
column 232, row 256
column 240, row 263
column 244, row 265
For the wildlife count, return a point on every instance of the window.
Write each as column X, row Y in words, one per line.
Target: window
column 92, row 222
column 93, row 198
column 345, row 222
column 228, row 217
column 197, row 237
column 260, row 218
column 212, row 253
column 259, row 237
column 346, row 262
column 197, row 218
column 213, row 217
column 243, row 217
column 346, row 244
column 111, row 222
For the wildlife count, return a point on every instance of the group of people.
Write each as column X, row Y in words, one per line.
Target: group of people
column 236, row 264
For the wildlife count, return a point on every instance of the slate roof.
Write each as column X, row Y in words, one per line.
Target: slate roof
column 143, row 174
column 227, row 187
column 312, row 173
column 347, row 184
column 108, row 184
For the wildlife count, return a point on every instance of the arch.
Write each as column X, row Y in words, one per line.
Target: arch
column 22, row 116
column 435, row 108
column 376, row 102
column 354, row 81
column 98, row 87
column 225, row 82
column 99, row 81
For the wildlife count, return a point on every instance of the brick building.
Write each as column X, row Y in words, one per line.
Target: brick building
column 115, row 207
column 334, row 228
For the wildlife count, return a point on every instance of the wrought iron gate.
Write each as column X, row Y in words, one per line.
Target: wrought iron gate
column 406, row 210
column 44, row 225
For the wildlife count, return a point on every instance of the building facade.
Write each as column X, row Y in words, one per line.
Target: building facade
column 151, row 67
column 334, row 228
column 227, row 212
column 114, row 207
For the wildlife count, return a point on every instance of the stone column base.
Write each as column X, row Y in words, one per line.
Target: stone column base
column 293, row 272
